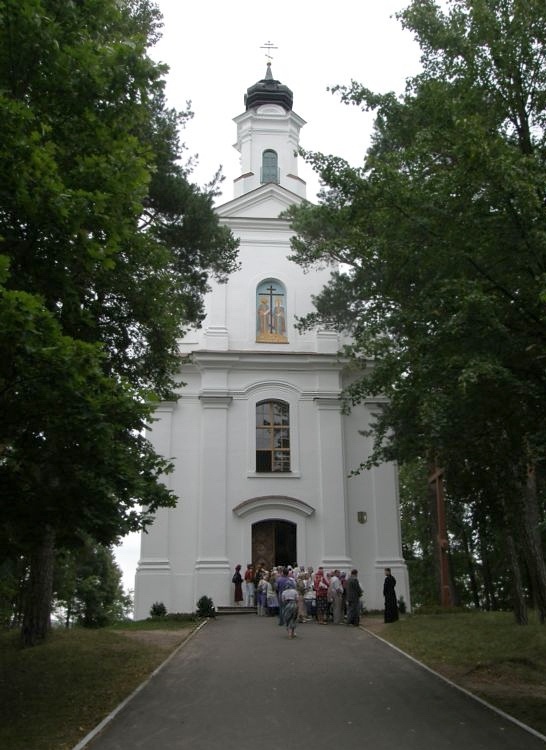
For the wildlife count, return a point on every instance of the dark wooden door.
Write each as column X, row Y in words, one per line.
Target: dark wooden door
column 263, row 544
column 274, row 543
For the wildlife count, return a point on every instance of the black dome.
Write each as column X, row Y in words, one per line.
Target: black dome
column 268, row 91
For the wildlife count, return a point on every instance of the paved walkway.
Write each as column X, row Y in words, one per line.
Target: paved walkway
column 241, row 684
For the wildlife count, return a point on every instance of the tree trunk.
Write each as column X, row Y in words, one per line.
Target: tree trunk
column 534, row 553
column 471, row 568
column 37, row 610
column 520, row 606
column 488, row 584
column 437, row 503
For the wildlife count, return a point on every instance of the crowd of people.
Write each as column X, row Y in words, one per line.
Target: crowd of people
column 297, row 594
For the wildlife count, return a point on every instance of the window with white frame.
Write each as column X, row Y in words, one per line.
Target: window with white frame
column 272, row 437
column 270, row 167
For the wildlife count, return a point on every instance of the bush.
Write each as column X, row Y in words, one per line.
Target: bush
column 402, row 606
column 158, row 609
column 205, row 607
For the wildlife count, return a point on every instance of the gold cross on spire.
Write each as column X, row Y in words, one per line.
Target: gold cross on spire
column 269, row 46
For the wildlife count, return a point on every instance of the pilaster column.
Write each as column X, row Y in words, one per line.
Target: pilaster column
column 216, row 333
column 332, row 483
column 212, row 526
column 154, row 548
column 153, row 574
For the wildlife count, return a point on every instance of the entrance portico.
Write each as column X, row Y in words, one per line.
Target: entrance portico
column 274, row 529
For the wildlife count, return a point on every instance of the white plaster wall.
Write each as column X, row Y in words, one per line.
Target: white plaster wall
column 376, row 543
column 232, row 306
column 268, row 127
column 321, row 462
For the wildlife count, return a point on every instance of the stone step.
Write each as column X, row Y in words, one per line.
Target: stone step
column 235, row 610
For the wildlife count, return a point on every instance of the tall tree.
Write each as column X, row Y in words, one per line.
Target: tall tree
column 74, row 459
column 443, row 235
column 110, row 247
column 88, row 586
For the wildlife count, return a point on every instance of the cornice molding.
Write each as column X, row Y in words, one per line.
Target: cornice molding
column 271, row 360
column 273, row 502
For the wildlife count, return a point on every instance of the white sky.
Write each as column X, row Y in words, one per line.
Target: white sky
column 212, row 48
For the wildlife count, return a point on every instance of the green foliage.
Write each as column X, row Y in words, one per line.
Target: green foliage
column 442, row 237
column 71, row 435
column 88, row 587
column 205, row 607
column 92, row 178
column 107, row 249
column 418, row 533
column 13, row 573
column 158, row 609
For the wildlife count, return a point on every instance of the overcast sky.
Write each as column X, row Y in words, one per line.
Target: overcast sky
column 213, row 50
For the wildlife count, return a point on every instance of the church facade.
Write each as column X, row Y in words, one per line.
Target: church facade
column 262, row 452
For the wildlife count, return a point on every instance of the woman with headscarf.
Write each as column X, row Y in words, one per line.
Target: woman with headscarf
column 261, row 595
column 238, row 581
column 290, row 607
column 272, row 599
column 321, row 583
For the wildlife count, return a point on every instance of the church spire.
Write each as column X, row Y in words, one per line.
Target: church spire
column 268, row 134
column 269, row 91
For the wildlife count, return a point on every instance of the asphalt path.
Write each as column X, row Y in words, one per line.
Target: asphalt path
column 241, row 684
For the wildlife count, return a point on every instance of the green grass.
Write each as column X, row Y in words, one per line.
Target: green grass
column 170, row 622
column 53, row 695
column 487, row 653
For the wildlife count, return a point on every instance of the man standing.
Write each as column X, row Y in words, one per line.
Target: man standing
column 336, row 596
column 354, row 592
column 391, row 605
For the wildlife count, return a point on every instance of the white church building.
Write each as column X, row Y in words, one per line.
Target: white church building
column 261, row 450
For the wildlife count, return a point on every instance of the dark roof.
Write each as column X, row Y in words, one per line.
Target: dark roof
column 268, row 91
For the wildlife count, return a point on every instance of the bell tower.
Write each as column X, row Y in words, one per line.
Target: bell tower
column 268, row 134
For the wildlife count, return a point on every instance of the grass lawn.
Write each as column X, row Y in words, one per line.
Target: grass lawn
column 484, row 652
column 53, row 695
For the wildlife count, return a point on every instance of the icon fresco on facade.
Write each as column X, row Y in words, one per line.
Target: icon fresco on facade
column 271, row 313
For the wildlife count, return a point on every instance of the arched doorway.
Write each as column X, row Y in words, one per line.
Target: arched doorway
column 274, row 543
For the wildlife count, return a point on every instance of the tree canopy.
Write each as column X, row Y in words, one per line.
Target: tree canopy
column 107, row 247
column 441, row 233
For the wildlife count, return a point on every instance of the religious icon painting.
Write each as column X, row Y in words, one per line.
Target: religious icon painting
column 271, row 312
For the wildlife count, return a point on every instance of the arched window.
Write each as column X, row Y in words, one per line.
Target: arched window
column 270, row 166
column 272, row 436
column 271, row 312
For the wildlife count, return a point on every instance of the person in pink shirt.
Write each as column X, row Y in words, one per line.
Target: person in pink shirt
column 321, row 583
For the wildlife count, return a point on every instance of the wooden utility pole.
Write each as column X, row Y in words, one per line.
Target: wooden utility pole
column 436, row 480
